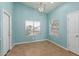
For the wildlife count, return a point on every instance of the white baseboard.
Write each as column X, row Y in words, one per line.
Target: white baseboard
column 77, row 53
column 12, row 46
column 29, row 42
column 42, row 40
column 39, row 41
column 63, row 47
column 57, row 44
column 45, row 40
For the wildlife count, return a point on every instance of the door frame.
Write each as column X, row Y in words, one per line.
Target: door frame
column 68, row 31
column 10, row 29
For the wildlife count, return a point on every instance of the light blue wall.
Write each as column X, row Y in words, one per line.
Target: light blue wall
column 7, row 6
column 61, row 15
column 21, row 13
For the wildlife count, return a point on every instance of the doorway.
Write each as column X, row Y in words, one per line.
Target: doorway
column 6, row 32
column 73, row 32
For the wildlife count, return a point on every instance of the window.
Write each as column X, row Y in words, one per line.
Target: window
column 54, row 27
column 36, row 27
column 29, row 27
column 32, row 27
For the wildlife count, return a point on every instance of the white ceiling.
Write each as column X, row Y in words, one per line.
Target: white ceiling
column 48, row 6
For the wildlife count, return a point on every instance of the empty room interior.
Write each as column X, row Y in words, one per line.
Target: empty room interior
column 39, row 28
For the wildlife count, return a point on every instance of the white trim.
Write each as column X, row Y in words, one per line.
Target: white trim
column 10, row 27
column 77, row 11
column 1, row 30
column 44, row 40
column 29, row 42
column 57, row 44
column 0, row 48
column 68, row 32
column 39, row 41
column 3, row 10
column 74, row 52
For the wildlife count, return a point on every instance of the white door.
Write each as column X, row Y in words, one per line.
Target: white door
column 6, row 31
column 73, row 32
